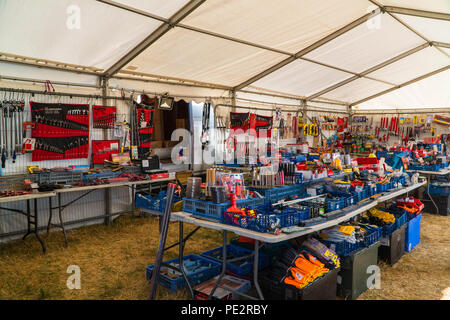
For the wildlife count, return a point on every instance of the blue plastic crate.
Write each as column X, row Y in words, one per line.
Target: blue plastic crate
column 242, row 267
column 372, row 237
column 348, row 198
column 207, row 269
column 439, row 189
column 381, row 187
column 101, row 175
column 431, row 167
column 412, row 235
column 361, row 194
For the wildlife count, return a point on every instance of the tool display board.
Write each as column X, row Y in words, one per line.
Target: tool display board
column 61, row 131
column 103, row 117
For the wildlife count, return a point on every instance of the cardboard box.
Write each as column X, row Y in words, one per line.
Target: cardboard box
column 222, row 292
column 170, row 144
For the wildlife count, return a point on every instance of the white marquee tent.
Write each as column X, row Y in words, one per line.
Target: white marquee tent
column 352, row 53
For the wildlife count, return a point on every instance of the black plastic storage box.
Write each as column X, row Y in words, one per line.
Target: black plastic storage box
column 442, row 202
column 393, row 247
column 352, row 279
column 323, row 288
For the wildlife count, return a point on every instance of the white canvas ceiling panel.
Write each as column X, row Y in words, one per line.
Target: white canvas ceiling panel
column 86, row 33
column 285, row 24
column 356, row 90
column 427, row 5
column 302, row 78
column 412, row 66
column 162, row 8
column 432, row 29
column 367, row 45
column 190, row 55
column 430, row 92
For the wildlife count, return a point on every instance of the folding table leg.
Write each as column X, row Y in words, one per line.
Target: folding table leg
column 180, row 259
column 61, row 219
column 36, row 225
column 255, row 270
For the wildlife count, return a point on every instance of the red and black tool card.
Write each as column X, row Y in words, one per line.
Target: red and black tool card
column 61, row 131
column 60, row 148
column 264, row 124
column 103, row 149
column 240, row 121
column 104, row 117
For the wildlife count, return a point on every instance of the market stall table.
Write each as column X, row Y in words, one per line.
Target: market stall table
column 88, row 189
column 350, row 212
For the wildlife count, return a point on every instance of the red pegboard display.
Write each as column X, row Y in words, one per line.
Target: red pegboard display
column 61, row 131
column 104, row 117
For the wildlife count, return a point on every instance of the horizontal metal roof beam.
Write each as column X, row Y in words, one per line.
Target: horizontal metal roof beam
column 401, row 85
column 154, row 36
column 310, row 48
column 370, row 70
column 418, row 13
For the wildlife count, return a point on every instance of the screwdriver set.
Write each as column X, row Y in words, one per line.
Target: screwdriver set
column 61, row 131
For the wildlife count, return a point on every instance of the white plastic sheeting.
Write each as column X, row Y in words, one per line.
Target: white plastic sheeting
column 302, row 78
column 195, row 56
column 427, row 5
column 432, row 29
column 432, row 92
column 367, row 45
column 284, row 24
column 410, row 67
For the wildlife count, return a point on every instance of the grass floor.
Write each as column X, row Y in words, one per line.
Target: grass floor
column 112, row 261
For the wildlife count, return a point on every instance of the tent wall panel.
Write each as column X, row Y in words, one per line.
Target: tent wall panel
column 285, row 25
column 424, row 61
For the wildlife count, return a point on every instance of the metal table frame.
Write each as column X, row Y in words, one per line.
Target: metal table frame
column 184, row 217
column 32, row 219
column 428, row 175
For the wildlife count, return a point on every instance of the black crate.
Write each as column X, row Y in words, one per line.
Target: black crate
column 352, row 279
column 393, row 247
column 442, row 202
column 323, row 288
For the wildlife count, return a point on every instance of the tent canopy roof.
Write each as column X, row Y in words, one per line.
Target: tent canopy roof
column 357, row 52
